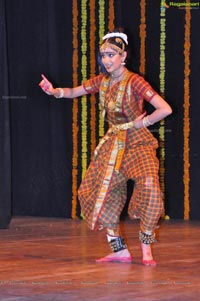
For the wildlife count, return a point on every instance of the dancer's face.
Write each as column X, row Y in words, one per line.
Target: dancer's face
column 112, row 60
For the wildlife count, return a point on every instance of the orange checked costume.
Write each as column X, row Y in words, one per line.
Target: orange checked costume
column 123, row 153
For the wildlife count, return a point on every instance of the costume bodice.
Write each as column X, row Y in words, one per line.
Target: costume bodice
column 118, row 101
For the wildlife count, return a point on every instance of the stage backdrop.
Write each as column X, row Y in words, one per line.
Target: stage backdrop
column 52, row 141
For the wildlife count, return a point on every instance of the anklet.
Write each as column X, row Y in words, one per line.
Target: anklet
column 146, row 239
column 117, row 244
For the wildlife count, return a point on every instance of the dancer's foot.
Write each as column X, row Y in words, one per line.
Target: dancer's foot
column 151, row 262
column 120, row 256
column 147, row 258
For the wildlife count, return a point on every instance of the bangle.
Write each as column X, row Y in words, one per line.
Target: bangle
column 146, row 122
column 61, row 93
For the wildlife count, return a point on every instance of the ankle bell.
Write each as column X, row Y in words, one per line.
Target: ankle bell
column 146, row 238
column 118, row 244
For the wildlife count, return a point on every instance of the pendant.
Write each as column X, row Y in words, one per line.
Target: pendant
column 111, row 105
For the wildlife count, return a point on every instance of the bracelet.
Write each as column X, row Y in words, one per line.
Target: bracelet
column 146, row 122
column 61, row 93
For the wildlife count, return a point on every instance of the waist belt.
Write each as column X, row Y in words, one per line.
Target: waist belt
column 115, row 128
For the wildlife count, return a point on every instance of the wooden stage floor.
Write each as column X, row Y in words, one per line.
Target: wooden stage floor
column 54, row 259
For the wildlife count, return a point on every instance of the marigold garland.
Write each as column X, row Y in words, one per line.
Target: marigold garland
column 101, row 34
column 162, row 92
column 142, row 42
column 84, row 128
column 186, row 119
column 142, row 36
column 92, row 73
column 111, row 15
column 75, row 110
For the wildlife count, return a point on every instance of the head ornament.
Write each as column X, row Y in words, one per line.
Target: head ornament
column 116, row 35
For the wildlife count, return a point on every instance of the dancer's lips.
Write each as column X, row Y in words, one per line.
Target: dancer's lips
column 107, row 67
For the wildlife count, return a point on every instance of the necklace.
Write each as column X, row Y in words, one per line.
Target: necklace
column 115, row 77
column 113, row 81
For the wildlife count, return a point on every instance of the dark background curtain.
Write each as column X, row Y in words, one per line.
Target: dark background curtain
column 5, row 155
column 40, row 126
column 36, row 130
